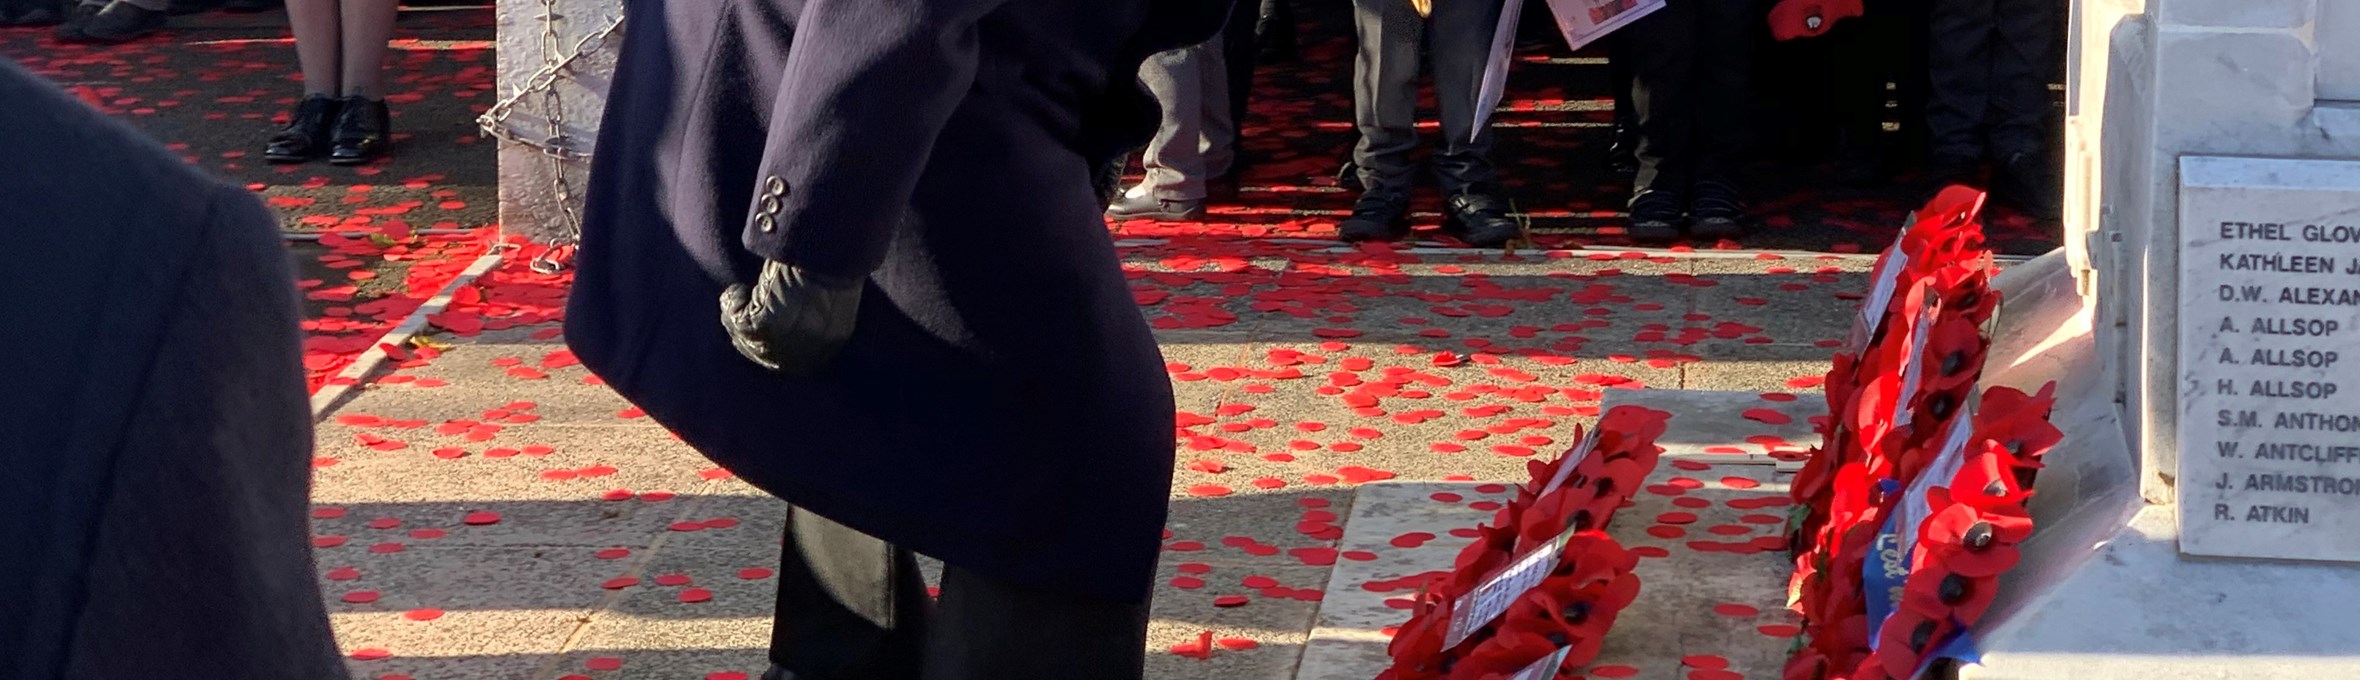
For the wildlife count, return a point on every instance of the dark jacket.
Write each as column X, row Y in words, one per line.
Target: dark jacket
column 155, row 441
column 1002, row 405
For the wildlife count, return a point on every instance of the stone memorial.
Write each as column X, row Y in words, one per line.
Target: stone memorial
column 2269, row 314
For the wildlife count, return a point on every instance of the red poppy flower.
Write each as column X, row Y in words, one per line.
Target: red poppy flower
column 1417, row 647
column 1966, row 541
column 1906, row 637
column 1936, row 592
column 1987, row 478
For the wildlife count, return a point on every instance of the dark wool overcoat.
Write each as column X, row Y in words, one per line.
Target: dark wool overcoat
column 1001, row 405
column 155, row 440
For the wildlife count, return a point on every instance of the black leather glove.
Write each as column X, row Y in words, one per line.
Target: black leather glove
column 789, row 321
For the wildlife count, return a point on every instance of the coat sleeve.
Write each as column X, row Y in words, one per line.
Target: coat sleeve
column 869, row 85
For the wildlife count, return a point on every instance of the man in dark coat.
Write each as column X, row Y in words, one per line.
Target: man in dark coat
column 926, row 343
column 155, row 443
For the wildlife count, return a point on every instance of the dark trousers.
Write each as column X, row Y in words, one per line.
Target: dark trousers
column 1237, row 55
column 1689, row 64
column 1990, row 63
column 853, row 607
column 1385, row 90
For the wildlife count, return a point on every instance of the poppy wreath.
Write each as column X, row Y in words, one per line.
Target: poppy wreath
column 1969, row 537
column 1908, row 373
column 1571, row 498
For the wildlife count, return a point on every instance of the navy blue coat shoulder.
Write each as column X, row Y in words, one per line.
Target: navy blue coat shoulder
column 1002, row 405
column 155, row 441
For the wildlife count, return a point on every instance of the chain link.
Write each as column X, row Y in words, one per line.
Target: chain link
column 557, row 148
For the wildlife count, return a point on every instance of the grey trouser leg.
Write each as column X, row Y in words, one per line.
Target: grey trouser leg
column 1385, row 89
column 1460, row 44
column 1193, row 144
column 1990, row 62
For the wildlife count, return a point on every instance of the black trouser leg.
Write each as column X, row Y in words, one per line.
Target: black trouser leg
column 988, row 629
column 1459, row 40
column 1725, row 76
column 1662, row 48
column 1958, row 68
column 1385, row 92
column 2023, row 61
column 850, row 606
column 1237, row 54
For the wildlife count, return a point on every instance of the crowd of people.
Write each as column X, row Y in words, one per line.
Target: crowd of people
column 1965, row 82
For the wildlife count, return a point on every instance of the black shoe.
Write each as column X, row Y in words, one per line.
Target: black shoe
column 1656, row 215
column 1716, row 212
column 1622, row 154
column 1377, row 216
column 1348, row 176
column 1945, row 170
column 188, row 7
column 249, row 6
column 42, row 13
column 2025, row 181
column 364, row 127
column 1145, row 207
column 121, row 22
column 306, row 135
column 77, row 18
column 1480, row 219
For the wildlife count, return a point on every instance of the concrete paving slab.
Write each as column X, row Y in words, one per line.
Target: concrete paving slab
column 447, row 611
column 1353, row 627
column 1727, row 427
column 1714, row 586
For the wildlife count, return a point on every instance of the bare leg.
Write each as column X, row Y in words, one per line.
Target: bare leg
column 368, row 24
column 317, row 32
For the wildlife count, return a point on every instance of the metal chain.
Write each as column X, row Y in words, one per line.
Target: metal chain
column 556, row 147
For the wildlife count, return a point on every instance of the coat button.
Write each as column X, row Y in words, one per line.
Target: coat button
column 774, row 185
column 770, row 205
column 765, row 223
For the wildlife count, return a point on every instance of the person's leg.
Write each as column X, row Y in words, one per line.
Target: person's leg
column 850, row 605
column 1459, row 40
column 1722, row 133
column 1236, row 69
column 1958, row 70
column 1384, row 108
column 319, row 47
column 1625, row 136
column 1218, row 110
column 367, row 27
column 1174, row 158
column 1662, row 66
column 1662, row 94
column 989, row 629
column 2023, row 62
column 1385, row 92
column 318, row 54
column 1274, row 29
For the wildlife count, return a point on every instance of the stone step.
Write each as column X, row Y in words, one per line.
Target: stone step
column 1710, row 598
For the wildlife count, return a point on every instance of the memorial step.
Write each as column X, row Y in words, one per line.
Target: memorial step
column 1713, row 586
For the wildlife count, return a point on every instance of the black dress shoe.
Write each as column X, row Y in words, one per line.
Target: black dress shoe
column 1656, row 216
column 1377, row 216
column 187, row 7
column 77, row 18
column 306, row 135
column 364, row 128
column 1148, row 207
column 2025, row 181
column 1622, row 154
column 1480, row 219
column 121, row 22
column 40, row 13
column 249, row 6
column 1717, row 212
